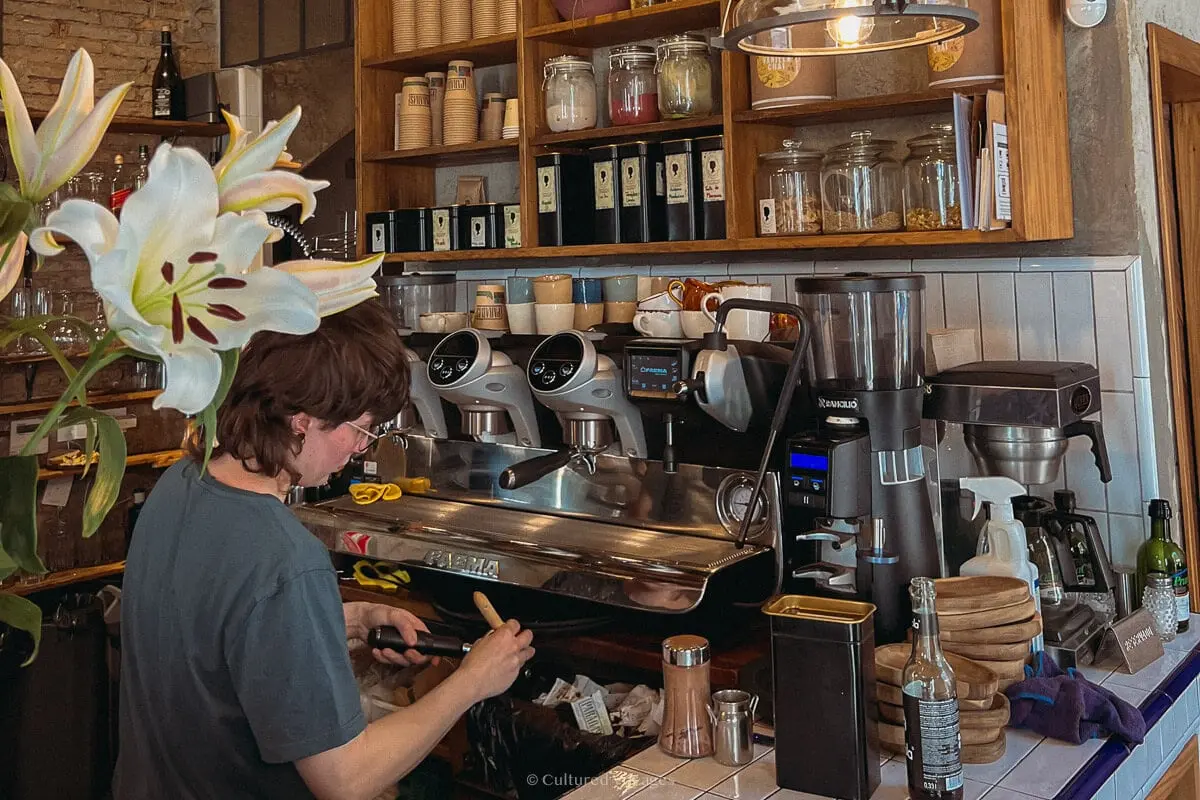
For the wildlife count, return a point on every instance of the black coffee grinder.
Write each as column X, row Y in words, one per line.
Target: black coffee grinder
column 855, row 482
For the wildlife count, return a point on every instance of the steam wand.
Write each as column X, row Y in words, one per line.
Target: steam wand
column 717, row 340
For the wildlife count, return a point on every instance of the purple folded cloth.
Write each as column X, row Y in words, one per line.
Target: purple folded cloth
column 1067, row 706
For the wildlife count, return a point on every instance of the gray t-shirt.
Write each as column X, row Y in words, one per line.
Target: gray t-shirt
column 234, row 660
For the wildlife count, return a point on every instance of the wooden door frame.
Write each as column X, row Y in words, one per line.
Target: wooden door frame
column 1175, row 117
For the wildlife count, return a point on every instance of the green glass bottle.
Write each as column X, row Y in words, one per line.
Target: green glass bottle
column 1160, row 554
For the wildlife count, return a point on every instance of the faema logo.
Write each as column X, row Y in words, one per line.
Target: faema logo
column 839, row 405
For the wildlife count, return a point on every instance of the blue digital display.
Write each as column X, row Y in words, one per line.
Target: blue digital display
column 807, row 461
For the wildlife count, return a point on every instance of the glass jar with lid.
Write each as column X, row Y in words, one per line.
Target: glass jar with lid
column 685, row 77
column 789, row 191
column 569, row 91
column 632, row 86
column 931, row 182
column 860, row 186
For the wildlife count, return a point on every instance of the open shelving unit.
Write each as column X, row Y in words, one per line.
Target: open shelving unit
column 1034, row 87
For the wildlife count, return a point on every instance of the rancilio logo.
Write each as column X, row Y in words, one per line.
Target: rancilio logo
column 825, row 403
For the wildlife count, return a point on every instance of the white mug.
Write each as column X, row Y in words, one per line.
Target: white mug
column 520, row 318
column 752, row 326
column 659, row 324
column 695, row 324
column 554, row 317
column 443, row 321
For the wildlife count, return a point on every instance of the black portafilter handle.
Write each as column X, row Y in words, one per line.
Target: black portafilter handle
column 388, row 638
column 524, row 473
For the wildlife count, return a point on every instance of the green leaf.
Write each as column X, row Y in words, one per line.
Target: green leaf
column 15, row 212
column 18, row 512
column 208, row 417
column 107, row 484
column 7, row 565
column 89, row 446
column 23, row 615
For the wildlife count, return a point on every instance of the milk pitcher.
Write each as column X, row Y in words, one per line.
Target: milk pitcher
column 732, row 714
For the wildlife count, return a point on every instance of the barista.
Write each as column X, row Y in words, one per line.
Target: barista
column 235, row 676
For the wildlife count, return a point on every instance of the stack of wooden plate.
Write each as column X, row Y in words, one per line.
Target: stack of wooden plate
column 507, row 13
column 485, row 19
column 404, row 26
column 456, row 21
column 982, row 709
column 989, row 619
column 429, row 23
column 461, row 114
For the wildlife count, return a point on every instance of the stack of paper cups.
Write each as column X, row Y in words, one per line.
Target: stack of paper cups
column 437, row 96
column 507, row 15
column 484, row 18
column 413, row 123
column 456, row 21
column 492, row 119
column 512, row 119
column 404, row 26
column 460, row 117
column 429, row 23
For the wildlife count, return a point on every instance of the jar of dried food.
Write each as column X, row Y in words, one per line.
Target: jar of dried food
column 860, row 186
column 632, row 87
column 569, row 90
column 686, row 731
column 685, row 77
column 789, row 191
column 931, row 182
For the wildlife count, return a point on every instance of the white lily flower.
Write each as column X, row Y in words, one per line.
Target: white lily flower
column 175, row 274
column 245, row 177
column 338, row 285
column 10, row 270
column 68, row 137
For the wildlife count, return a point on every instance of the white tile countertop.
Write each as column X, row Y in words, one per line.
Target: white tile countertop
column 1032, row 768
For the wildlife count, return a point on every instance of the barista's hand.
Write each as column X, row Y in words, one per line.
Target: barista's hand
column 495, row 661
column 361, row 617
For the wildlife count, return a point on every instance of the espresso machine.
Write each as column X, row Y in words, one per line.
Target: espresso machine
column 858, row 521
column 1016, row 419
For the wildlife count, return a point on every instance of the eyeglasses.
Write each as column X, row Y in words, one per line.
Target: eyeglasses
column 368, row 437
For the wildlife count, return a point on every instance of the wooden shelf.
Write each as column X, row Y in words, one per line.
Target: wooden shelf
column 484, row 52
column 66, row 577
column 620, row 133
column 450, row 155
column 160, row 460
column 864, row 108
column 35, row 406
column 156, row 127
column 677, row 16
column 771, row 243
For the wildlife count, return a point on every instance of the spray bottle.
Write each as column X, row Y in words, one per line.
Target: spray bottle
column 1003, row 538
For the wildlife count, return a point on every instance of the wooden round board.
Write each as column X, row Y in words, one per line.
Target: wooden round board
column 1000, row 634
column 978, row 593
column 1006, row 670
column 996, row 716
column 886, row 693
column 971, row 753
column 893, row 735
column 988, row 619
column 975, row 682
column 989, row 652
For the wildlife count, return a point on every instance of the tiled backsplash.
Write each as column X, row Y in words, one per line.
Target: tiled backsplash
column 1065, row 309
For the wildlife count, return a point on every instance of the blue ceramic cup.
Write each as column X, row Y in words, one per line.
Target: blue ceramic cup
column 587, row 290
column 519, row 290
column 621, row 289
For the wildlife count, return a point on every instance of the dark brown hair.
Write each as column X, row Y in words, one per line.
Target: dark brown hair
column 353, row 364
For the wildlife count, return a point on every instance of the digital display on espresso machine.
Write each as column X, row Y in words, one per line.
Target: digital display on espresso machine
column 654, row 372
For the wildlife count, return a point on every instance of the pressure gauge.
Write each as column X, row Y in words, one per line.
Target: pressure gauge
column 1086, row 13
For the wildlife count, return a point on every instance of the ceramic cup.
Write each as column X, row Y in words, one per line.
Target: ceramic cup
column 752, row 326
column 621, row 289
column 552, row 289
column 554, row 317
column 443, row 321
column 662, row 301
column 520, row 290
column 696, row 324
column 620, row 312
column 587, row 290
column 659, row 324
column 520, row 318
column 588, row 315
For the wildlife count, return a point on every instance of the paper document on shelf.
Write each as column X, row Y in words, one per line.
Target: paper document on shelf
column 1002, row 204
column 965, row 158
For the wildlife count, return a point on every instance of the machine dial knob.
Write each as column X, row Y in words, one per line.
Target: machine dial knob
column 437, row 364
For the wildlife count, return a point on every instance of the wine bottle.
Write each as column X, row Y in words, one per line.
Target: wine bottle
column 143, row 167
column 1159, row 553
column 168, row 85
column 933, row 744
column 121, row 186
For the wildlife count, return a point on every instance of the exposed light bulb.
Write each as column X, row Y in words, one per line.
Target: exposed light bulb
column 850, row 30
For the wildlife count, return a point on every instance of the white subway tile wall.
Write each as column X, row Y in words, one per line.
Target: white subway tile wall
column 1068, row 309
